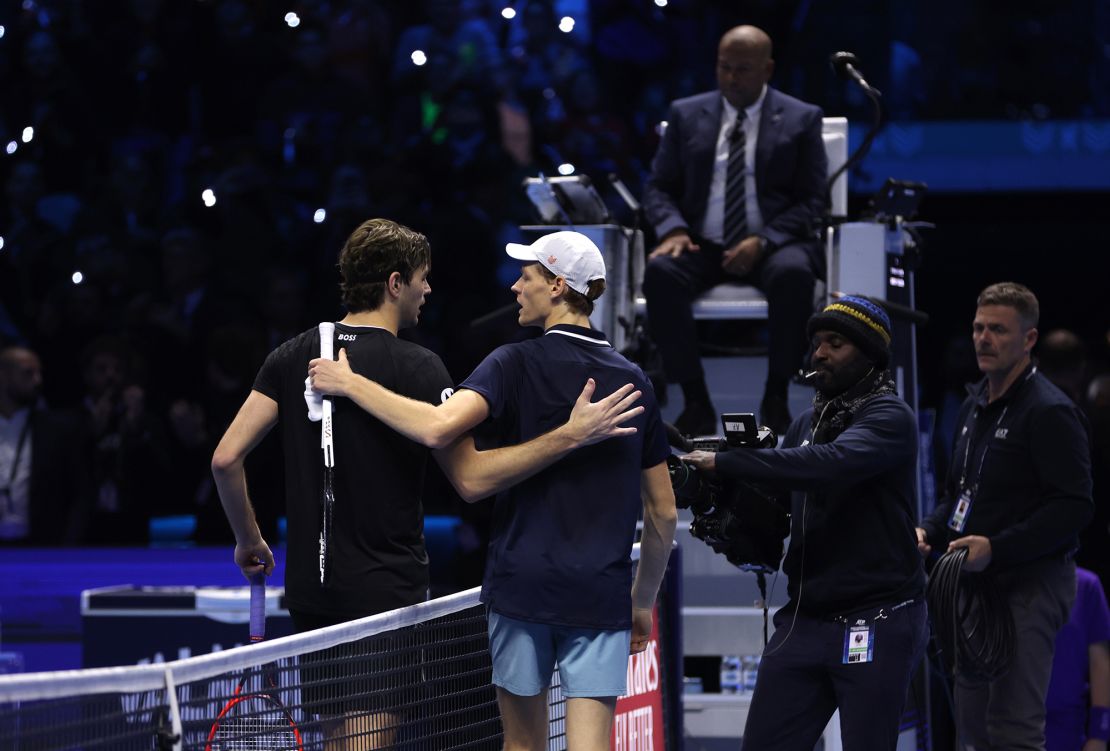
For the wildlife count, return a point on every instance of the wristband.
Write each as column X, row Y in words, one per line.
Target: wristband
column 1098, row 723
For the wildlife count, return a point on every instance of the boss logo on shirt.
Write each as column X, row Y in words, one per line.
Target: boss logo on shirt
column 1001, row 433
column 347, row 337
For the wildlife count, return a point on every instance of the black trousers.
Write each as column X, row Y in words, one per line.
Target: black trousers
column 802, row 680
column 1009, row 712
column 786, row 277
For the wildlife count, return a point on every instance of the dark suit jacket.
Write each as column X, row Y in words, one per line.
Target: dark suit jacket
column 791, row 168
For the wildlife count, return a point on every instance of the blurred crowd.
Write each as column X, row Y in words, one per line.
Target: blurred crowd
column 179, row 176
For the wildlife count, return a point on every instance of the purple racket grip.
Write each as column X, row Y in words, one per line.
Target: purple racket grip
column 258, row 607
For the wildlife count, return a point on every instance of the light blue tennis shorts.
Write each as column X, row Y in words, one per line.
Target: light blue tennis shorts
column 592, row 662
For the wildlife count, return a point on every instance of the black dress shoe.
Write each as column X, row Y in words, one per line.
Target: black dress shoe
column 698, row 418
column 775, row 414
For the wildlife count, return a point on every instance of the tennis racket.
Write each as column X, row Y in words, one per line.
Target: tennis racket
column 255, row 720
column 327, row 503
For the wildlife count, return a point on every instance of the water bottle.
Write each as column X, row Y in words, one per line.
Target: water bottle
column 749, row 668
column 730, row 674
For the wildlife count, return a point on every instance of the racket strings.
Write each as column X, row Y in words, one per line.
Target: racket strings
column 255, row 723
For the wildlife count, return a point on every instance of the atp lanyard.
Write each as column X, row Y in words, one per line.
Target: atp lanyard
column 987, row 448
column 6, row 491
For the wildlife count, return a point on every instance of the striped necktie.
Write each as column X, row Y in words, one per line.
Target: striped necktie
column 736, row 214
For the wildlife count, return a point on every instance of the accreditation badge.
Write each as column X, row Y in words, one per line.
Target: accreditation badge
column 859, row 642
column 958, row 520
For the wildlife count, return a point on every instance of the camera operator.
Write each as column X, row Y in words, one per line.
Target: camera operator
column 855, row 625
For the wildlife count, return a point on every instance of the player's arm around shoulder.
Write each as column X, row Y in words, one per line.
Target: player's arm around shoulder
column 465, row 410
column 480, row 474
column 435, row 426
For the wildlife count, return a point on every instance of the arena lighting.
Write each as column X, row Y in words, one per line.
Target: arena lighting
column 320, row 216
column 508, row 13
column 209, row 197
column 28, row 134
column 1, row 31
column 566, row 24
column 566, row 168
column 661, row 3
column 77, row 277
column 1, row 243
column 292, row 20
column 418, row 57
column 12, row 146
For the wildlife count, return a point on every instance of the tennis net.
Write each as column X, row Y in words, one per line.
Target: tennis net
column 418, row 677
column 413, row 678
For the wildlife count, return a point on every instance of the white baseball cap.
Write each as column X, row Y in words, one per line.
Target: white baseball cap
column 568, row 254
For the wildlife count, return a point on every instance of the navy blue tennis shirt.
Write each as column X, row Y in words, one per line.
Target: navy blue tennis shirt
column 560, row 540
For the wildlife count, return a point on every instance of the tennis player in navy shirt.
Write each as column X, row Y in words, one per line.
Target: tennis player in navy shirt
column 558, row 582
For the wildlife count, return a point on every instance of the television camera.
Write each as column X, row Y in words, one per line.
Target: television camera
column 740, row 520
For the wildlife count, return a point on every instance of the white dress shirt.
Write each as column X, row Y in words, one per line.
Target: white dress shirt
column 713, row 225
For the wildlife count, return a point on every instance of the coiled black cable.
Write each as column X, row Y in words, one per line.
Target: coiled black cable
column 972, row 619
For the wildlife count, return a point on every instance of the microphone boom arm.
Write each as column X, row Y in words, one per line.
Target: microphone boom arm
column 844, row 63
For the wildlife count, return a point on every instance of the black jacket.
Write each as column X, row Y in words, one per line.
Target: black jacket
column 1033, row 495
column 852, row 540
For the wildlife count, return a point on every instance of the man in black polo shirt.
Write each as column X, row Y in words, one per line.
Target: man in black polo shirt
column 1017, row 495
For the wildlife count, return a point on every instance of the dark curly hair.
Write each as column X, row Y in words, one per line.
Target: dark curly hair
column 376, row 249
